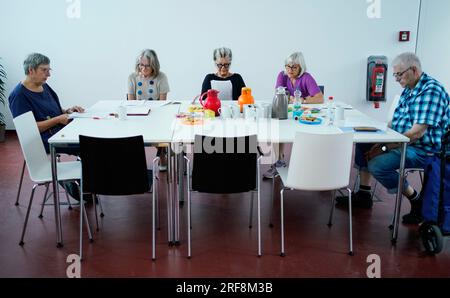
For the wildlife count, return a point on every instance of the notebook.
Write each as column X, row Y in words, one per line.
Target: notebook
column 138, row 110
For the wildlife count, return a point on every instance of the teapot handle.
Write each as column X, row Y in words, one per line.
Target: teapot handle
column 201, row 99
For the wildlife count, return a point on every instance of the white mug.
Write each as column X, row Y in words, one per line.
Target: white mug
column 249, row 111
column 122, row 111
column 225, row 112
column 339, row 113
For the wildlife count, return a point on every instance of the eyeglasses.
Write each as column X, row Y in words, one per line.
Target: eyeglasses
column 45, row 69
column 400, row 74
column 144, row 65
column 292, row 67
column 225, row 65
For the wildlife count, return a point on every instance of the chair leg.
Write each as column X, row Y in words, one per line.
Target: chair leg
column 21, row 243
column 333, row 198
column 271, row 204
column 96, row 212
column 44, row 201
column 83, row 211
column 102, row 214
column 282, row 221
column 158, row 206
column 259, row 207
column 374, row 189
column 154, row 202
column 68, row 201
column 188, row 168
column 350, row 221
column 251, row 211
column 20, row 184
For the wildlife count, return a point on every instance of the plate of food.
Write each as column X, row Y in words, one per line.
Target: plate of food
column 195, row 109
column 189, row 120
column 311, row 120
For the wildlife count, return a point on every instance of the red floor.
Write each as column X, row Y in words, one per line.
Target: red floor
column 223, row 246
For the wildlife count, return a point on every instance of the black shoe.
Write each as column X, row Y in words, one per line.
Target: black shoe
column 414, row 217
column 72, row 190
column 360, row 199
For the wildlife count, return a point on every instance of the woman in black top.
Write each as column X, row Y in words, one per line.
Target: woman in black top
column 228, row 84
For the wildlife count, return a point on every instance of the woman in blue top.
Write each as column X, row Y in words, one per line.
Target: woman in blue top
column 33, row 94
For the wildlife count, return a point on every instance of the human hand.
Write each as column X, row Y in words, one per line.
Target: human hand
column 374, row 152
column 75, row 109
column 63, row 119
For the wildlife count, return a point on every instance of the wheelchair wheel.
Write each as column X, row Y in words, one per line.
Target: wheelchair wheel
column 432, row 238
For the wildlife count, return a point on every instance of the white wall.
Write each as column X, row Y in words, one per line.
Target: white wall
column 434, row 40
column 92, row 56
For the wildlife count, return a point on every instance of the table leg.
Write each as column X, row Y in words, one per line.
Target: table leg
column 170, row 171
column 398, row 199
column 59, row 236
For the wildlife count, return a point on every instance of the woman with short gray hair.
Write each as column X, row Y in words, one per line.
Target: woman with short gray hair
column 295, row 77
column 35, row 95
column 147, row 82
column 228, row 84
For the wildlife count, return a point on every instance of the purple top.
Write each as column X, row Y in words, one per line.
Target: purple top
column 305, row 83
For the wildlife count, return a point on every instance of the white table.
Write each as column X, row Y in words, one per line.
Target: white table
column 283, row 131
column 161, row 126
column 155, row 128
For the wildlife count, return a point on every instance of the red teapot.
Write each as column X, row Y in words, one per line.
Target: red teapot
column 212, row 102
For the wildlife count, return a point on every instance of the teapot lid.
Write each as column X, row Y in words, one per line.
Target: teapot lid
column 281, row 90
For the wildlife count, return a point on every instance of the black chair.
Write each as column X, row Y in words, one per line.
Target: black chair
column 115, row 167
column 237, row 170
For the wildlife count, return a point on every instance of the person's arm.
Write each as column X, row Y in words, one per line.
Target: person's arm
column 47, row 124
column 415, row 133
column 318, row 98
column 312, row 88
column 131, row 95
column 163, row 96
column 206, row 84
column 163, row 87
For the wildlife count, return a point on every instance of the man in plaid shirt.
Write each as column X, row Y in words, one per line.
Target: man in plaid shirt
column 422, row 115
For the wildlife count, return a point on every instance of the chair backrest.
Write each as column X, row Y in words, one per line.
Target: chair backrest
column 113, row 166
column 322, row 88
column 32, row 146
column 320, row 161
column 394, row 104
column 224, row 164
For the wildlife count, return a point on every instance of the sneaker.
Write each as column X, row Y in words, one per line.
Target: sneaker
column 280, row 164
column 360, row 199
column 270, row 173
column 163, row 168
column 72, row 189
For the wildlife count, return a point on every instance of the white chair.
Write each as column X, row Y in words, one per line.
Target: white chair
column 38, row 163
column 319, row 162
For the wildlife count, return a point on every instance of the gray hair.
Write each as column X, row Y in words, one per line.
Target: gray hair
column 33, row 61
column 222, row 52
column 408, row 60
column 152, row 58
column 297, row 58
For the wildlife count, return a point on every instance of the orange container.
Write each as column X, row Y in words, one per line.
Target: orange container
column 245, row 98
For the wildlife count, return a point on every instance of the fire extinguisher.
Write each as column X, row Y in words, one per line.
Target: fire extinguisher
column 376, row 79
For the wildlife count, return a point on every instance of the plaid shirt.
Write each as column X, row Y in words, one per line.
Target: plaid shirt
column 426, row 104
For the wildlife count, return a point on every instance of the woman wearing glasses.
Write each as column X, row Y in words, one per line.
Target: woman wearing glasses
column 228, row 84
column 147, row 82
column 295, row 77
